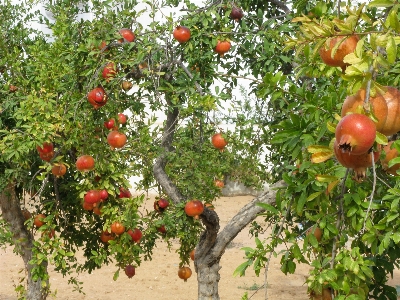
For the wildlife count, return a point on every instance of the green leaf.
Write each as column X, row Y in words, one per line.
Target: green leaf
column 116, row 275
column 391, row 50
column 314, row 195
column 381, row 3
column 381, row 139
column 241, row 269
column 268, row 207
column 326, row 178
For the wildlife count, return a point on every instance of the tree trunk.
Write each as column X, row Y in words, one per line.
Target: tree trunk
column 23, row 241
column 208, row 279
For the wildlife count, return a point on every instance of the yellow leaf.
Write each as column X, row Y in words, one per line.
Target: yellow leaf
column 332, row 185
column 317, row 148
column 326, row 178
column 321, row 156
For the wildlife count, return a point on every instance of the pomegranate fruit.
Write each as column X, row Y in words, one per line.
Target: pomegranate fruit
column 192, row 253
column 103, row 194
column 359, row 163
column 106, row 236
column 236, row 13
column 47, row 156
column 50, row 233
column 110, row 124
column 109, row 71
column 162, row 229
column 27, row 214
column 97, row 97
column 122, row 118
column 59, row 169
column 38, row 221
column 127, row 35
column 194, row 208
column 355, row 133
column 46, row 148
column 316, row 231
column 391, row 153
column 126, row 85
column 87, row 205
column 184, row 273
column 136, row 234
column 130, row 271
column 97, row 210
column 13, row 88
column 218, row 141
column 219, row 183
column 85, row 163
column 116, row 139
column 124, row 193
column 181, row 34
column 92, row 196
column 222, row 47
column 117, row 228
column 392, row 123
column 347, row 46
column 384, row 107
column 161, row 204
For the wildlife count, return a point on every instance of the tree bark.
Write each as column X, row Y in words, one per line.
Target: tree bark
column 212, row 244
column 23, row 241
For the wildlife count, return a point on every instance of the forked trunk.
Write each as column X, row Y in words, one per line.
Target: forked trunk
column 23, row 241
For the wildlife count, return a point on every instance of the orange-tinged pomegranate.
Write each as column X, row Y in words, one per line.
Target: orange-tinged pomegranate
column 347, row 45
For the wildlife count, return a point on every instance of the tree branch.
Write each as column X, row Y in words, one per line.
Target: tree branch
column 247, row 214
column 159, row 166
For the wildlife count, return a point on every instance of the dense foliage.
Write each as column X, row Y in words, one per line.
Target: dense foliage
column 281, row 128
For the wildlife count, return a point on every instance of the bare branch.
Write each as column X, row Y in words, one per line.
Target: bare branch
column 247, row 214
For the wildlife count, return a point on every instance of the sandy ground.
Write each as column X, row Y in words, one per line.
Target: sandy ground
column 157, row 279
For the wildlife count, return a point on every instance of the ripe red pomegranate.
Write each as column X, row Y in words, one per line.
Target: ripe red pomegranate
column 130, row 271
column 97, row 210
column 162, row 229
column 85, row 163
column 92, row 196
column 359, row 163
column 122, row 118
column 236, row 13
column 59, row 169
column 222, row 47
column 127, row 34
column 46, row 148
column 116, row 139
column 109, row 71
column 347, row 46
column 391, row 153
column 97, row 97
column 110, row 124
column 38, row 221
column 106, row 236
column 103, row 194
column 184, row 273
column 194, row 208
column 355, row 133
column 218, row 141
column 136, row 234
column 47, row 156
column 117, row 228
column 161, row 204
column 181, row 34
column 87, row 206
column 124, row 193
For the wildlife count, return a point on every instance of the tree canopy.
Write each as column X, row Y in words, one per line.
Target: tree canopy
column 65, row 98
